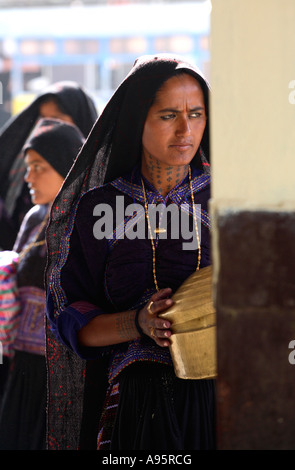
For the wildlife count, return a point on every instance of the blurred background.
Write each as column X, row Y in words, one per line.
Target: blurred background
column 92, row 42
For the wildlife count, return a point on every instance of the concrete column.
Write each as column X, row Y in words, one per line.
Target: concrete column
column 253, row 213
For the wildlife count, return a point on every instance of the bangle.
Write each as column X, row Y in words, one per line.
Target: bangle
column 137, row 323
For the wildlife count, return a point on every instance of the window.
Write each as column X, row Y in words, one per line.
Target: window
column 128, row 45
column 174, row 44
column 81, row 46
column 33, row 47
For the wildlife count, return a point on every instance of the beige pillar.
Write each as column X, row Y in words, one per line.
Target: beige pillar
column 253, row 212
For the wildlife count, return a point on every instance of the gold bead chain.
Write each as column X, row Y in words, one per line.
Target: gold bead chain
column 151, row 235
column 150, row 230
column 195, row 218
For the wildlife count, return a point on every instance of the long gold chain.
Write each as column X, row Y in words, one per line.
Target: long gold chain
column 195, row 218
column 151, row 234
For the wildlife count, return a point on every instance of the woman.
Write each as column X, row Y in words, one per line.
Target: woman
column 48, row 155
column 66, row 101
column 114, row 277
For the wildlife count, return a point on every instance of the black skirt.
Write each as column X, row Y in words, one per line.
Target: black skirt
column 4, row 370
column 23, row 409
column 158, row 411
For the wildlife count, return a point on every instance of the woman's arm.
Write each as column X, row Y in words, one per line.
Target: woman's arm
column 115, row 328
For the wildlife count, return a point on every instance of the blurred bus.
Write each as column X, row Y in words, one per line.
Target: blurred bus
column 96, row 45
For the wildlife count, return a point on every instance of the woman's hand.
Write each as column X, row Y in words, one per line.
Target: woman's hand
column 113, row 328
column 156, row 328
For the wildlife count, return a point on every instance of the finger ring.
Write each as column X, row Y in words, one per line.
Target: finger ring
column 149, row 307
column 152, row 331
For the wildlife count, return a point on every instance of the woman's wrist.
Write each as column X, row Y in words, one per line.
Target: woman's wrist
column 137, row 325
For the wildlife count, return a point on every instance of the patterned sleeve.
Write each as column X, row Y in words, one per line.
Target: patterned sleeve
column 76, row 294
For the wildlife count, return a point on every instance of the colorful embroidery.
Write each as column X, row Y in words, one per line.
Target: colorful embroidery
column 138, row 350
column 58, row 294
column 180, row 195
column 31, row 330
column 10, row 306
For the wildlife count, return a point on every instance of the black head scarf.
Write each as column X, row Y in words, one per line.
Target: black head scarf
column 57, row 142
column 72, row 100
column 75, row 102
column 114, row 145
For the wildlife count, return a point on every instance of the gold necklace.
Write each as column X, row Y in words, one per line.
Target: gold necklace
column 151, row 234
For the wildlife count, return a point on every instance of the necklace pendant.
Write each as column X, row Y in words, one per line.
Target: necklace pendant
column 160, row 230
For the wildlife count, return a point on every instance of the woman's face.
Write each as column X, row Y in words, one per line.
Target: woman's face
column 175, row 122
column 50, row 109
column 43, row 180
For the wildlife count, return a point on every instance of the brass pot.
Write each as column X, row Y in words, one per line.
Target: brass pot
column 193, row 318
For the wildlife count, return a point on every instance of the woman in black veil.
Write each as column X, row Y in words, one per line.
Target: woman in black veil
column 71, row 104
column 48, row 154
column 127, row 282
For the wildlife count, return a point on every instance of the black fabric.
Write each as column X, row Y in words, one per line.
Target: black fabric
column 22, row 423
column 8, row 230
column 94, row 394
column 65, row 385
column 33, row 218
column 75, row 102
column 57, row 142
column 4, row 370
column 158, row 411
column 30, row 270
